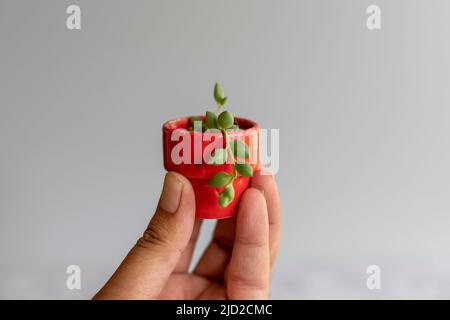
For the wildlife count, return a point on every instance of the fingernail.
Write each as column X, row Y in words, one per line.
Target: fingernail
column 171, row 193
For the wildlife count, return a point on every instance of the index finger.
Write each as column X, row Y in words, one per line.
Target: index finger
column 249, row 268
column 264, row 181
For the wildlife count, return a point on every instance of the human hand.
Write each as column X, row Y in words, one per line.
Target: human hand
column 236, row 264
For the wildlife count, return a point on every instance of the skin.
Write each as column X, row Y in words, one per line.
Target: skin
column 236, row 264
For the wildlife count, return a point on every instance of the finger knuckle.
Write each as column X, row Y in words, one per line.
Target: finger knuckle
column 246, row 282
column 156, row 235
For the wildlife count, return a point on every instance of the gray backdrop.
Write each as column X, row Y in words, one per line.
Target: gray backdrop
column 364, row 134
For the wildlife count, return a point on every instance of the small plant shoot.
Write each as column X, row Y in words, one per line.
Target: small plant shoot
column 235, row 150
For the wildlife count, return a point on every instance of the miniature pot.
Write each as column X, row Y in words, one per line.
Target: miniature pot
column 183, row 153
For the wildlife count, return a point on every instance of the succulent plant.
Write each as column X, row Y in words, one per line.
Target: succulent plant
column 236, row 149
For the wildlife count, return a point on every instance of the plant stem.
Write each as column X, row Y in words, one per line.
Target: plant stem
column 219, row 108
column 227, row 145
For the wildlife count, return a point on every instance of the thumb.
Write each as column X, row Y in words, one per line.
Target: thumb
column 147, row 267
column 170, row 228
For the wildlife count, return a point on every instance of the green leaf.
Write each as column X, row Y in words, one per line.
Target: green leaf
column 219, row 179
column 225, row 120
column 224, row 201
column 219, row 96
column 234, row 127
column 240, row 149
column 229, row 191
column 192, row 119
column 244, row 169
column 213, row 130
column 197, row 123
column 218, row 156
column 211, row 120
column 227, row 196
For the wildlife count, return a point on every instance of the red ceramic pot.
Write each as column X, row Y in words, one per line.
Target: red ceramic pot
column 183, row 153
